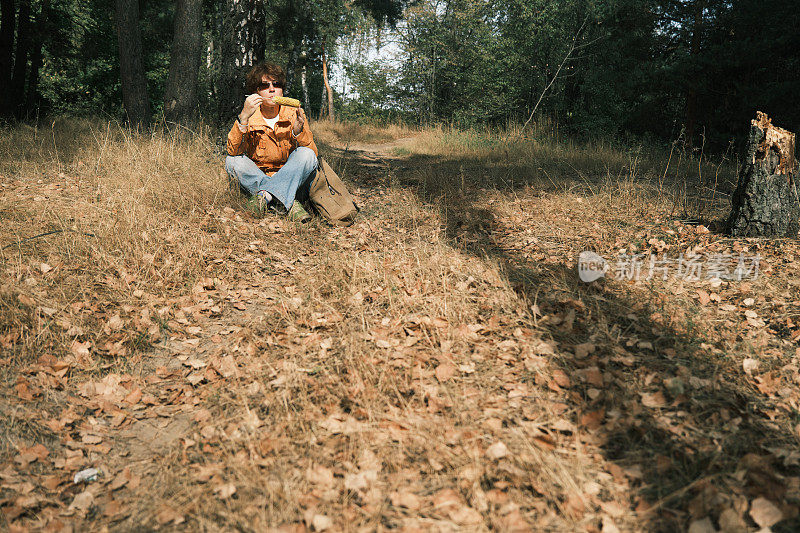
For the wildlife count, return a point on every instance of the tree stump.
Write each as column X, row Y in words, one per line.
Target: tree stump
column 766, row 203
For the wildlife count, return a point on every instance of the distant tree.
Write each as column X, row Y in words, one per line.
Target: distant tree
column 180, row 98
column 132, row 73
column 328, row 90
column 7, row 29
column 16, row 95
column 43, row 29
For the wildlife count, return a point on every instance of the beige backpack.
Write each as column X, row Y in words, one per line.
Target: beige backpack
column 330, row 198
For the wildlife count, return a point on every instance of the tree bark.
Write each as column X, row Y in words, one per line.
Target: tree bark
column 180, row 96
column 42, row 30
column 291, row 69
column 24, row 38
column 305, row 86
column 134, row 83
column 691, row 93
column 242, row 44
column 7, row 26
column 328, row 89
column 765, row 203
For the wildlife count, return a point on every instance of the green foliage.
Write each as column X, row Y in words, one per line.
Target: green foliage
column 648, row 68
column 635, row 65
column 80, row 72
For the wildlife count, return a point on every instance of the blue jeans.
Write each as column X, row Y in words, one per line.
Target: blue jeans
column 284, row 184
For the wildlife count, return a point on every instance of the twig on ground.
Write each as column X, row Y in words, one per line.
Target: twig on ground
column 46, row 233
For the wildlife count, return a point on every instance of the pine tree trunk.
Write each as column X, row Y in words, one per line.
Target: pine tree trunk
column 180, row 96
column 323, row 98
column 134, row 83
column 42, row 30
column 303, row 79
column 328, row 90
column 7, row 25
column 291, row 69
column 24, row 38
column 691, row 93
column 305, row 87
column 765, row 203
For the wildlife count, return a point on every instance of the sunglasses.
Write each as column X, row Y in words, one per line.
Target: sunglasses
column 266, row 85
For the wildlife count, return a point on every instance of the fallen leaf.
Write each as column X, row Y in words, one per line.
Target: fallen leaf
column 356, row 482
column 321, row 522
column 592, row 376
column 91, row 439
column 134, row 396
column 702, row 526
column 561, row 378
column 730, row 521
column 612, row 508
column 51, row 483
column 320, row 475
column 24, row 391
column 121, row 480
column 465, row 516
column 82, row 501
column 115, row 508
column 167, row 514
column 765, row 513
column 446, row 500
column 115, row 323
column 654, row 400
column 80, row 349
column 25, row 458
column 496, row 451
column 750, row 365
column 609, row 526
column 406, row 499
column 593, row 419
column 704, row 297
column 225, row 491
column 444, row 372
column 583, row 350
column 202, row 415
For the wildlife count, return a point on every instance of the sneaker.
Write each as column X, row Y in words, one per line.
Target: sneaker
column 258, row 203
column 297, row 213
column 262, row 202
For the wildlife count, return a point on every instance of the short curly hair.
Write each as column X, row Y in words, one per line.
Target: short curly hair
column 266, row 68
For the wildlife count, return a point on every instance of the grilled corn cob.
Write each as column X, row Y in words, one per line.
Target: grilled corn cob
column 282, row 100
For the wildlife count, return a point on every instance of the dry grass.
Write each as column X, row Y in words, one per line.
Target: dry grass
column 506, row 159
column 105, row 214
column 344, row 133
column 364, row 375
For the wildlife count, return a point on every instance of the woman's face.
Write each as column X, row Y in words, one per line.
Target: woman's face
column 268, row 89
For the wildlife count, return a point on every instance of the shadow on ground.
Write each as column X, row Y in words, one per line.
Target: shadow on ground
column 704, row 446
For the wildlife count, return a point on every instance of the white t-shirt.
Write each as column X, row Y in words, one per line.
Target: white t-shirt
column 271, row 121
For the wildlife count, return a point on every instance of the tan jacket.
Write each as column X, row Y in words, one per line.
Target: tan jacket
column 267, row 148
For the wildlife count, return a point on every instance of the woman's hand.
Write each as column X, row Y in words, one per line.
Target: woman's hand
column 300, row 120
column 250, row 105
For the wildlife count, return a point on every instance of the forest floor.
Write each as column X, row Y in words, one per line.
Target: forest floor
column 438, row 365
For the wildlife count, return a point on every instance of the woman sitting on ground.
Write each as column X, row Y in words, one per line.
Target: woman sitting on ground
column 271, row 150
